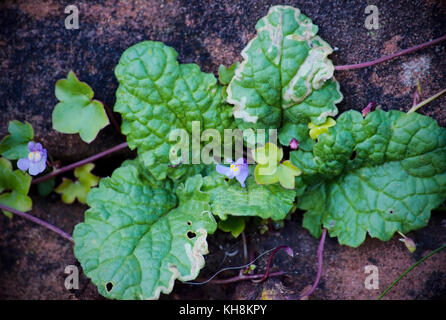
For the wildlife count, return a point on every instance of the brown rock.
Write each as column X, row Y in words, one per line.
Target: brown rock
column 36, row 50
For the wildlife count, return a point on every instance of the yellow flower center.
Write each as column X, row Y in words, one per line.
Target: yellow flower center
column 234, row 168
column 34, row 156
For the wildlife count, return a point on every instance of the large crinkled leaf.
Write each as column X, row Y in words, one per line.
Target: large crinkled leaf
column 14, row 188
column 228, row 198
column 15, row 145
column 157, row 95
column 285, row 76
column 77, row 112
column 381, row 174
column 138, row 238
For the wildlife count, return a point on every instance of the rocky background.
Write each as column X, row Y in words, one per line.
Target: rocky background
column 36, row 50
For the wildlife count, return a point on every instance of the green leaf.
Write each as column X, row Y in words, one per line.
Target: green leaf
column 14, row 188
column 285, row 76
column 228, row 198
column 286, row 173
column 269, row 153
column 77, row 112
column 15, row 146
column 379, row 174
column 225, row 75
column 157, row 95
column 138, row 238
column 268, row 177
column 270, row 169
column 70, row 190
column 233, row 224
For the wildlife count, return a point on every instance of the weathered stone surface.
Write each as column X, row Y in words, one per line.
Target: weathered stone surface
column 33, row 259
column 36, row 50
column 344, row 274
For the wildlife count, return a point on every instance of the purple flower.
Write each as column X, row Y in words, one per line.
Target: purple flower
column 238, row 169
column 294, row 144
column 36, row 160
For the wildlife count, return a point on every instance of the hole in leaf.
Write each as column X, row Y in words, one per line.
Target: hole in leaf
column 226, row 179
column 353, row 155
column 109, row 286
column 391, row 211
column 189, row 223
column 191, row 235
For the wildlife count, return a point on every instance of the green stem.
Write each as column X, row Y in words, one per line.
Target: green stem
column 424, row 102
column 410, row 269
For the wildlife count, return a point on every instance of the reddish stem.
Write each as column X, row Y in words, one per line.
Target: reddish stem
column 319, row 262
column 243, row 277
column 45, row 224
column 80, row 163
column 389, row 57
column 112, row 118
column 270, row 259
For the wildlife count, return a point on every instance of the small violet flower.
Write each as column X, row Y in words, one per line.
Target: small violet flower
column 35, row 163
column 238, row 169
column 294, row 144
